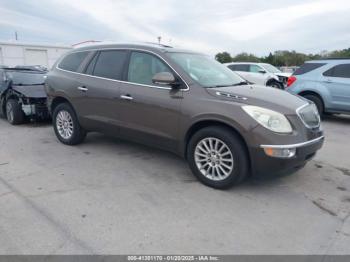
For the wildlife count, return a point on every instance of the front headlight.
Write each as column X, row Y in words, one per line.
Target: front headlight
column 270, row 119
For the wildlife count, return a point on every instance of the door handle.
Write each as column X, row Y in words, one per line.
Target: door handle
column 126, row 97
column 329, row 81
column 82, row 88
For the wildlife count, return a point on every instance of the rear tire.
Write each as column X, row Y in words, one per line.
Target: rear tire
column 317, row 101
column 14, row 113
column 66, row 125
column 214, row 167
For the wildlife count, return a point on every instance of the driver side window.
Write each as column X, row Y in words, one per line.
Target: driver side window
column 143, row 67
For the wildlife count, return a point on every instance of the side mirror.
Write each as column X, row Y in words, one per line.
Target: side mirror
column 164, row 78
column 262, row 71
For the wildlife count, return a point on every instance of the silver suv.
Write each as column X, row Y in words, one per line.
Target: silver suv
column 260, row 73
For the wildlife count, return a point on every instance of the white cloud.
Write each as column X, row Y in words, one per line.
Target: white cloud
column 138, row 21
column 269, row 21
column 134, row 21
column 203, row 25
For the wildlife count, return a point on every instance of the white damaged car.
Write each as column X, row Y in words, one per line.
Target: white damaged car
column 260, row 73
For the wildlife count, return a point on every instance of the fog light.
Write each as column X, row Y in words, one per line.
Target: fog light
column 280, row 152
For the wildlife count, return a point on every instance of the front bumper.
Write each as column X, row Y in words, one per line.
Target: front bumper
column 35, row 108
column 264, row 165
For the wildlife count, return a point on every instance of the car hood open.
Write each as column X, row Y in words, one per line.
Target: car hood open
column 32, row 91
column 267, row 97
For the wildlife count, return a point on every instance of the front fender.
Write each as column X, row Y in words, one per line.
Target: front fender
column 241, row 128
column 201, row 120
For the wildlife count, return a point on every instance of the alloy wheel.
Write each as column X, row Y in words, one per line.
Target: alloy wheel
column 64, row 124
column 214, row 159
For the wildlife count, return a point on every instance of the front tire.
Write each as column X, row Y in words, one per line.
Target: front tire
column 218, row 157
column 66, row 125
column 14, row 113
column 275, row 84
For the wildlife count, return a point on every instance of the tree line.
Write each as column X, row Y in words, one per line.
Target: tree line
column 282, row 57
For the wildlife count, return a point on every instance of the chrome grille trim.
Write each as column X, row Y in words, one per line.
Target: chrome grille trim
column 303, row 120
column 307, row 143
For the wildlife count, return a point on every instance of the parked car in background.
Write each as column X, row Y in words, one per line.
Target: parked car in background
column 324, row 82
column 186, row 103
column 260, row 73
column 33, row 67
column 22, row 94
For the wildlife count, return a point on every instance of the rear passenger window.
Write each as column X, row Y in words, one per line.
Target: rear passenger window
column 342, row 71
column 308, row 67
column 241, row 68
column 72, row 61
column 110, row 64
column 143, row 67
column 232, row 67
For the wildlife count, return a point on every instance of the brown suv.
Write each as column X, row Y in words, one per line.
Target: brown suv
column 184, row 102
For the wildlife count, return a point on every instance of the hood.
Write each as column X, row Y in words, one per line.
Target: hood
column 283, row 74
column 267, row 97
column 32, row 91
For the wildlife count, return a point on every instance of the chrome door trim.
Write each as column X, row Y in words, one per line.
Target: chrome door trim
column 120, row 81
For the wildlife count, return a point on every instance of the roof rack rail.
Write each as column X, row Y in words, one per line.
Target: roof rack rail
column 158, row 44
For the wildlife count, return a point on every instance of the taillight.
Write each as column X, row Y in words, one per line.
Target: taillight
column 291, row 80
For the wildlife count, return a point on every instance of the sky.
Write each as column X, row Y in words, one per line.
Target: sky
column 208, row 26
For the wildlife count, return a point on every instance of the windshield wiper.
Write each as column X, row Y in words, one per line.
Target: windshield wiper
column 223, row 85
column 21, row 84
column 236, row 84
column 242, row 83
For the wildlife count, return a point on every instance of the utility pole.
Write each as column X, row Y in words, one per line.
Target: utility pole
column 16, row 36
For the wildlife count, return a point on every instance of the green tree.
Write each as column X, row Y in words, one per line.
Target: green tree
column 345, row 53
column 268, row 59
column 282, row 57
column 245, row 57
column 223, row 57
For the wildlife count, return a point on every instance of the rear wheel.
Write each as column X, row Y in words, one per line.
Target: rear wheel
column 317, row 101
column 66, row 125
column 14, row 113
column 217, row 157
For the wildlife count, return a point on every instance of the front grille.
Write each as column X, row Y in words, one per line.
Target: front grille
column 309, row 115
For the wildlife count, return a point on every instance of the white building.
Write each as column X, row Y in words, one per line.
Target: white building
column 17, row 53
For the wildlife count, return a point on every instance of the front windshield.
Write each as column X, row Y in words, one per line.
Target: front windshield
column 26, row 78
column 205, row 70
column 271, row 68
